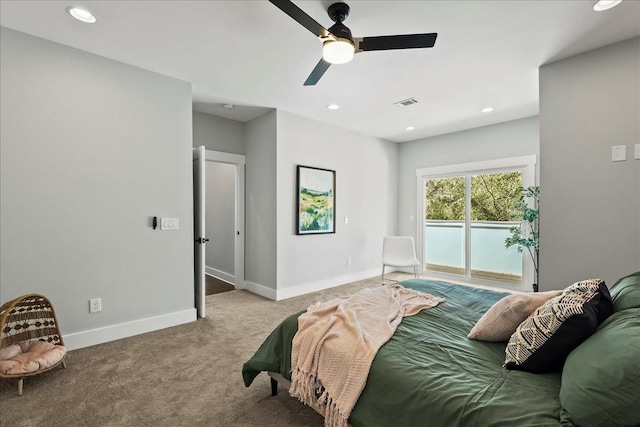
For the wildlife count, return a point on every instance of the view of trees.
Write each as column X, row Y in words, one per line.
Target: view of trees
column 493, row 197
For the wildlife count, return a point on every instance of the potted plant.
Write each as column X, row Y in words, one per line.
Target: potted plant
column 526, row 235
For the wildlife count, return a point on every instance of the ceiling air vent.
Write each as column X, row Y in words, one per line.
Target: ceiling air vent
column 405, row 102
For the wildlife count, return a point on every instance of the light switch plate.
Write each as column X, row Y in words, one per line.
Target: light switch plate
column 637, row 152
column 618, row 153
column 169, row 224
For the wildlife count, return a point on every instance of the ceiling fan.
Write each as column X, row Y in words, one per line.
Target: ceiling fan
column 338, row 46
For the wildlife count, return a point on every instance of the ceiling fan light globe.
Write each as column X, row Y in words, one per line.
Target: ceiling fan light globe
column 338, row 51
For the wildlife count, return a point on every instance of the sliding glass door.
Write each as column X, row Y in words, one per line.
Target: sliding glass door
column 493, row 196
column 468, row 211
column 445, row 207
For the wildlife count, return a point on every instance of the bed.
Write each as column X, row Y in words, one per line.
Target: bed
column 429, row 373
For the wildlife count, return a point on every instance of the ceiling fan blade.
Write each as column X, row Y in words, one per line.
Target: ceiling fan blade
column 317, row 73
column 407, row 41
column 299, row 16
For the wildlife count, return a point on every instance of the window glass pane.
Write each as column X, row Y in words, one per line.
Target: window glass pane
column 444, row 225
column 493, row 197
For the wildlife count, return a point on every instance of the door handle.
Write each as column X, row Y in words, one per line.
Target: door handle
column 202, row 240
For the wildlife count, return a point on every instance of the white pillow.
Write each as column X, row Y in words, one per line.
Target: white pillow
column 503, row 318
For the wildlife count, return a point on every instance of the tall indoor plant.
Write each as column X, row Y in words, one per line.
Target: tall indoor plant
column 526, row 236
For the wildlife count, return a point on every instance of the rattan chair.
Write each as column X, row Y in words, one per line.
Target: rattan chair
column 27, row 323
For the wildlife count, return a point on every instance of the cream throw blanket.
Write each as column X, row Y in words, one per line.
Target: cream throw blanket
column 337, row 341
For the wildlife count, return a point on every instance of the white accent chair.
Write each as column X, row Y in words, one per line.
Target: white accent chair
column 399, row 251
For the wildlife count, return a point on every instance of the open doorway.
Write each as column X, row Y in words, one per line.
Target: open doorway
column 220, row 207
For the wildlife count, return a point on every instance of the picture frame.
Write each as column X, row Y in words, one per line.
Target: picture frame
column 315, row 201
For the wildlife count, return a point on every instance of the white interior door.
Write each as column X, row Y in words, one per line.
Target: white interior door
column 199, row 228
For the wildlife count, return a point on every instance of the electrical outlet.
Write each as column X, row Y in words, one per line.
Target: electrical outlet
column 95, row 305
column 348, row 261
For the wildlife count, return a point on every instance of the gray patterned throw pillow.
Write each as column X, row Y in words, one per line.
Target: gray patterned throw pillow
column 542, row 342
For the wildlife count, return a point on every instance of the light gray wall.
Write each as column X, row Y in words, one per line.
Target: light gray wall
column 260, row 201
column 509, row 139
column 220, row 216
column 91, row 149
column 590, row 206
column 366, row 183
column 218, row 134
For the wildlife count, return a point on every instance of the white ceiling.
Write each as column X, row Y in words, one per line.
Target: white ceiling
column 250, row 54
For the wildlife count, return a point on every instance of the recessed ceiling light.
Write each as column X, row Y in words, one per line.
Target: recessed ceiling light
column 81, row 15
column 409, row 128
column 333, row 106
column 605, row 5
column 487, row 110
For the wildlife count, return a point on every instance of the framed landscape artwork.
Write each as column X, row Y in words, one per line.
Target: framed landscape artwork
column 316, row 201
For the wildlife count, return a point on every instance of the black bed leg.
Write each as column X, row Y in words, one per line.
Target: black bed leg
column 274, row 387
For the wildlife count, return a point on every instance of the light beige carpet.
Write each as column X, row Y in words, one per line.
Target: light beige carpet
column 185, row 375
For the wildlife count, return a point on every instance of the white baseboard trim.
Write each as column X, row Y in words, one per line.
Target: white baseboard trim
column 123, row 330
column 319, row 285
column 260, row 290
column 219, row 274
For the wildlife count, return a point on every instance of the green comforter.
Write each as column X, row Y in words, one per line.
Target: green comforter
column 430, row 374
